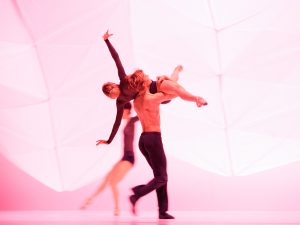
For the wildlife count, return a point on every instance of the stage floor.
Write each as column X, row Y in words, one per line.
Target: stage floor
column 93, row 217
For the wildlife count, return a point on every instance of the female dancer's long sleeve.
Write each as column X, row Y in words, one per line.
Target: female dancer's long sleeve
column 125, row 95
column 121, row 99
column 116, row 58
column 120, row 110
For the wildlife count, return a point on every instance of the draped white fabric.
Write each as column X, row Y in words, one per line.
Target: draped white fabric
column 241, row 56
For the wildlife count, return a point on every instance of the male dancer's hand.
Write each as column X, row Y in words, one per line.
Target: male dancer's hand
column 101, row 142
column 106, row 35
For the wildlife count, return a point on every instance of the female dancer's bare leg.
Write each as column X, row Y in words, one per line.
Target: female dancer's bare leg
column 173, row 88
column 117, row 173
column 175, row 74
column 102, row 186
column 170, row 86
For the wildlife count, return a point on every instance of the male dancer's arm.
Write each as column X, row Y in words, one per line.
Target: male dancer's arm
column 161, row 97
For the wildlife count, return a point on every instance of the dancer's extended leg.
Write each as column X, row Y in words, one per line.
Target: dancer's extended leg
column 102, row 186
column 175, row 74
column 173, row 88
column 151, row 147
column 120, row 170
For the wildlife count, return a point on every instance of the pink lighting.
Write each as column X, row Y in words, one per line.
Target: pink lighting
column 243, row 57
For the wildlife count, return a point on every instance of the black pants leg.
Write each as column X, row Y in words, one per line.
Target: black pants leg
column 151, row 146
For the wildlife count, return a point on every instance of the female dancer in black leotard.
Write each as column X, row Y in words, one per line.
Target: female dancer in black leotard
column 120, row 169
column 129, row 84
column 126, row 90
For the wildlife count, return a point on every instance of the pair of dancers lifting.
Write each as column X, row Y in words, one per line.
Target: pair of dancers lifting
column 130, row 85
column 139, row 86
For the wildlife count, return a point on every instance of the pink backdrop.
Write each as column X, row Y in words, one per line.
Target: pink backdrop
column 189, row 189
column 242, row 56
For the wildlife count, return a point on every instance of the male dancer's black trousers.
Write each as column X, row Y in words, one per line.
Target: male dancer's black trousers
column 151, row 146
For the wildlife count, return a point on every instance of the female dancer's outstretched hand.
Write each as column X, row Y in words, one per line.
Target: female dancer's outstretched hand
column 106, row 35
column 101, row 142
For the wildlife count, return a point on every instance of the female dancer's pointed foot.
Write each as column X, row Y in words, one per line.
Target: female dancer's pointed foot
column 86, row 204
column 200, row 101
column 116, row 212
column 133, row 199
column 165, row 216
column 83, row 207
column 178, row 68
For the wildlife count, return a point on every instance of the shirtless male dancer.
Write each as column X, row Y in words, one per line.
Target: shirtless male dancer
column 150, row 143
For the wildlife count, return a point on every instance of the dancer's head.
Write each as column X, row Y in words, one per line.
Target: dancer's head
column 111, row 90
column 138, row 80
column 127, row 110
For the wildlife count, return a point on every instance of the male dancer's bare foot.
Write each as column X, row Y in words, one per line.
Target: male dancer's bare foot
column 200, row 101
column 133, row 200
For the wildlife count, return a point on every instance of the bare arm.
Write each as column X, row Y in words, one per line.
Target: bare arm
column 160, row 97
